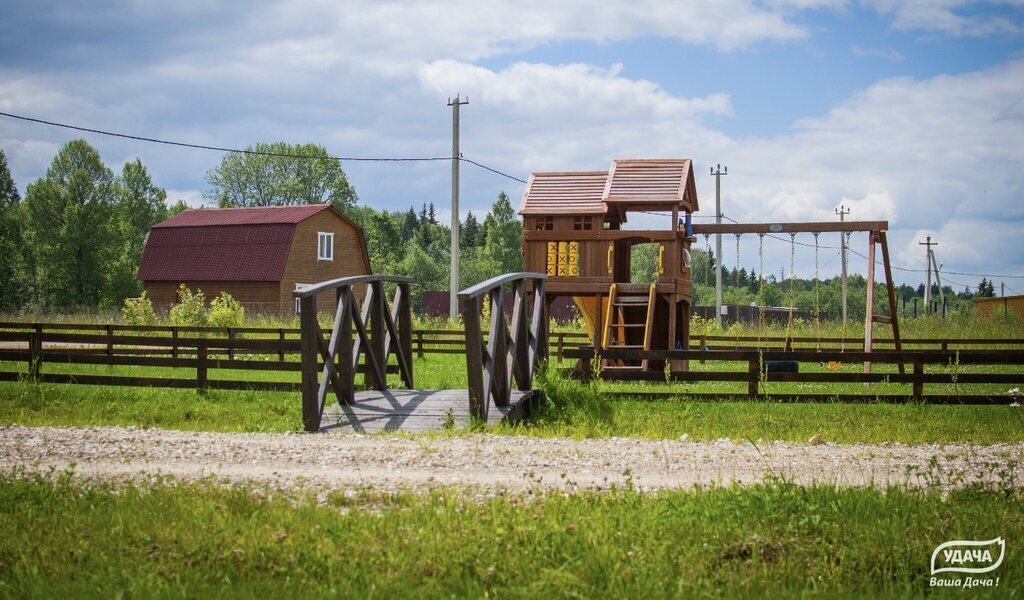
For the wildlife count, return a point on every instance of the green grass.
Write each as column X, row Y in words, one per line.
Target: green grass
column 67, row 538
column 574, row 409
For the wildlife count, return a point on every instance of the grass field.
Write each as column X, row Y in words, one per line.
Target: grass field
column 573, row 409
column 71, row 539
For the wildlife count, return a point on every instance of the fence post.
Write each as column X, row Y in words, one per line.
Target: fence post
column 918, row 379
column 201, row 356
column 174, row 342
column 280, row 337
column 35, row 348
column 419, row 343
column 231, row 346
column 110, row 340
column 754, row 376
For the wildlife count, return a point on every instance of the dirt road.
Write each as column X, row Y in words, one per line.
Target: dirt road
column 492, row 463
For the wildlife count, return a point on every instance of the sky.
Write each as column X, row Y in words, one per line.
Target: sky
column 910, row 112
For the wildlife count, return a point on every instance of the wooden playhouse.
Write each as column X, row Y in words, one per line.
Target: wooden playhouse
column 573, row 231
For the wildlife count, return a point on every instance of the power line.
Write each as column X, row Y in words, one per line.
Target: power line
column 253, row 152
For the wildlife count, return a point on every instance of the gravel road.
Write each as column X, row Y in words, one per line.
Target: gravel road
column 490, row 463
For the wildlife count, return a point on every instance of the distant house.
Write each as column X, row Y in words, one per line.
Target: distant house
column 258, row 255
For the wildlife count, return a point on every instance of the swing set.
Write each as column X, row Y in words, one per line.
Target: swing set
column 876, row 231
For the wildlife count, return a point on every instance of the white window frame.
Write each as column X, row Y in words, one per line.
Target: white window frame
column 325, row 245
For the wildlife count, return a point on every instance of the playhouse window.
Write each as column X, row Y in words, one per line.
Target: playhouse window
column 325, row 246
column 563, row 259
column 545, row 223
column 582, row 223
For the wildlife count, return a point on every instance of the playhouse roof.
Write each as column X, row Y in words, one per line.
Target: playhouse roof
column 629, row 184
column 575, row 193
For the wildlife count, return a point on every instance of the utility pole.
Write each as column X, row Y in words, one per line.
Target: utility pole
column 453, row 288
column 928, row 268
column 842, row 211
column 938, row 280
column 718, row 241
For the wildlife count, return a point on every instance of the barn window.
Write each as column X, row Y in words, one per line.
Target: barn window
column 325, row 246
column 545, row 223
column 581, row 223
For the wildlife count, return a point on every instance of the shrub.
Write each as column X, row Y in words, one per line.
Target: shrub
column 190, row 311
column 139, row 311
column 225, row 311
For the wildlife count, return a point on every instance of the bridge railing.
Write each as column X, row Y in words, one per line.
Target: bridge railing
column 372, row 330
column 511, row 351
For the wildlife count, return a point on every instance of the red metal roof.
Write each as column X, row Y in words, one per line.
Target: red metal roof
column 577, row 193
column 255, row 215
column 223, row 244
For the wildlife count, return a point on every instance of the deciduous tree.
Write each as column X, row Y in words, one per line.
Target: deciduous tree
column 280, row 174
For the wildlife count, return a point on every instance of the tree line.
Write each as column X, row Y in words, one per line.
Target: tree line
column 76, row 239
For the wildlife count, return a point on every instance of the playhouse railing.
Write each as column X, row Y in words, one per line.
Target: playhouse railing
column 511, row 351
column 379, row 332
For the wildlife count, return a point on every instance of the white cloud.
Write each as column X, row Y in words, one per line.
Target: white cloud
column 888, row 54
column 538, row 91
column 951, row 17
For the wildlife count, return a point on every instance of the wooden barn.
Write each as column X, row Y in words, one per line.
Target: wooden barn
column 573, row 231
column 258, row 254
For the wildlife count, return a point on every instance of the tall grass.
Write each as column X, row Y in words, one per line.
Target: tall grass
column 69, row 538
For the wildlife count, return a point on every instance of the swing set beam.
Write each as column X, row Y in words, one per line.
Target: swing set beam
column 823, row 227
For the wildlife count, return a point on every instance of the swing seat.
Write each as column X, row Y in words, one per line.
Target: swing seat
column 782, row 366
column 833, row 365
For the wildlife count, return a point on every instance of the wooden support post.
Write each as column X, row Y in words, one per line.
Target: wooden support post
column 893, row 312
column 918, row 379
column 280, row 337
column 174, row 342
column 869, row 307
column 405, row 328
column 377, row 378
column 231, row 346
column 419, row 343
column 471, row 310
column 110, row 340
column 308, row 351
column 497, row 388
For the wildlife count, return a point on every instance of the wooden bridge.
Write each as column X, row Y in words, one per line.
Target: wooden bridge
column 366, row 336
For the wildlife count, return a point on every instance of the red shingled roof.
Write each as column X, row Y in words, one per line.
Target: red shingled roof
column 223, row 244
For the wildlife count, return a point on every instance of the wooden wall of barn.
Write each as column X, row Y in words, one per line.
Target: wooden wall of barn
column 350, row 257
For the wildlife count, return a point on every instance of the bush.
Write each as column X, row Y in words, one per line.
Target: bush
column 225, row 311
column 191, row 310
column 139, row 311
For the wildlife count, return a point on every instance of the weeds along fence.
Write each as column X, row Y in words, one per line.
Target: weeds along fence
column 264, row 358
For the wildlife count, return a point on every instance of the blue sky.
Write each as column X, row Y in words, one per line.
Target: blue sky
column 912, row 112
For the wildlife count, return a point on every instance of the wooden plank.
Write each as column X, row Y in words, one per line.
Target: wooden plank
column 820, row 227
column 416, row 410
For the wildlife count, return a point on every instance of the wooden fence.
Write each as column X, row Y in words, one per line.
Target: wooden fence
column 756, row 373
column 194, row 351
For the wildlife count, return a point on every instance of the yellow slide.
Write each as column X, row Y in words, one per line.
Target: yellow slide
column 588, row 309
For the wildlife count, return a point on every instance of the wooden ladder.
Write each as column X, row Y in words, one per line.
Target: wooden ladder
column 622, row 320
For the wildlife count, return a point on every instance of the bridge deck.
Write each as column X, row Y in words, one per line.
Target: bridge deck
column 415, row 411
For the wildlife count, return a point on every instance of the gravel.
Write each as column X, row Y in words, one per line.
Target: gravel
column 492, row 463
